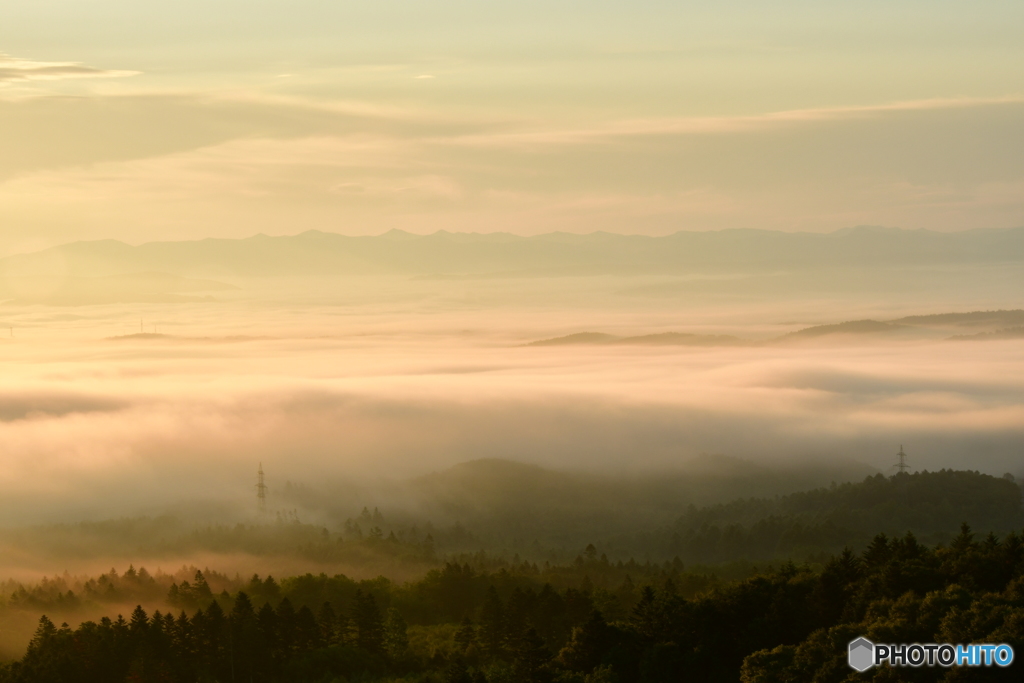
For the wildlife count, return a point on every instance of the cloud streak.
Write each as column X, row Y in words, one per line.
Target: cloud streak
column 13, row 69
column 712, row 125
column 245, row 164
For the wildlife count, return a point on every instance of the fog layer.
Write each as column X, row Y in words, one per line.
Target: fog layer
column 145, row 407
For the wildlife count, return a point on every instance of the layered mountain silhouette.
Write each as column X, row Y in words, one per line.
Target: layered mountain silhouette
column 396, row 252
column 993, row 325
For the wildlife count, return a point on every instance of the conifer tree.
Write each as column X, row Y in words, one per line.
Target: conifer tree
column 530, row 658
column 492, row 624
column 466, row 635
column 327, row 620
column 368, row 623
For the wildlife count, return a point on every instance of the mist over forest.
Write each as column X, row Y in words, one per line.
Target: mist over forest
column 154, row 378
column 511, row 342
column 591, row 413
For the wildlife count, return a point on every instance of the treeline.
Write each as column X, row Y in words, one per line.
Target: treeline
column 190, row 587
column 811, row 524
column 364, row 539
column 788, row 625
column 76, row 599
column 270, row 644
column 66, row 594
column 563, row 514
column 318, row 628
column 730, row 538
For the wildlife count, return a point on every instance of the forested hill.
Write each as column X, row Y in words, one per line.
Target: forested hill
column 931, row 505
column 525, row 625
column 320, row 253
column 653, row 517
column 505, row 510
column 483, row 619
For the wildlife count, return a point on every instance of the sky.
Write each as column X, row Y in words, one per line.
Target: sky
column 161, row 121
column 143, row 121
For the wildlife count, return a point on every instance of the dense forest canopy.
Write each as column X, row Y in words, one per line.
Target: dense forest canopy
column 758, row 589
column 788, row 624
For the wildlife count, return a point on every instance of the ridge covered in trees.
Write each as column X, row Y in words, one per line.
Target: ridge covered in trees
column 507, row 509
column 802, row 525
column 758, row 590
column 457, row 625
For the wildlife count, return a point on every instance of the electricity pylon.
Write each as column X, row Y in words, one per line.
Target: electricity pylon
column 902, row 465
column 261, row 493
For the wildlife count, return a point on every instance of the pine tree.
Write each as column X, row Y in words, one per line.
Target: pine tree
column 587, row 645
column 201, row 590
column 266, row 626
column 139, row 622
column 492, row 624
column 44, row 633
column 645, row 615
column 243, row 635
column 878, row 552
column 242, row 610
column 531, row 658
column 368, row 623
column 212, row 636
column 307, row 630
column 182, row 637
column 466, row 635
column 285, row 618
column 327, row 621
column 271, row 591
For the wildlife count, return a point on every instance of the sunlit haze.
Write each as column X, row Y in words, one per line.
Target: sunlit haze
column 463, row 306
column 223, row 119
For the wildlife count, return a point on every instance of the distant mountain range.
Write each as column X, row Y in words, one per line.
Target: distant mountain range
column 984, row 325
column 443, row 253
column 661, row 339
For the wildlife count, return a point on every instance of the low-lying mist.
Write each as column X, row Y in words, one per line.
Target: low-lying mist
column 403, row 422
column 365, row 391
column 161, row 421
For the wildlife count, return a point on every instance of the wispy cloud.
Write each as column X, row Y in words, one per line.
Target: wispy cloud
column 696, row 125
column 244, row 161
column 13, row 69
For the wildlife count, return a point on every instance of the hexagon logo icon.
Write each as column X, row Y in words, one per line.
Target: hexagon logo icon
column 862, row 654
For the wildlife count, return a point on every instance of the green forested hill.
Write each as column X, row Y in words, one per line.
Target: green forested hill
column 866, row 568
column 525, row 625
column 932, row 505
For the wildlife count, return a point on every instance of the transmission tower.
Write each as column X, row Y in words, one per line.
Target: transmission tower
column 261, row 493
column 902, row 465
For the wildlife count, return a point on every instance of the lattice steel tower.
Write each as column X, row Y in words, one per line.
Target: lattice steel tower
column 261, row 493
column 902, row 465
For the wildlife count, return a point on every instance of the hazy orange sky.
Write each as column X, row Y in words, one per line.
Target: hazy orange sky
column 144, row 121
